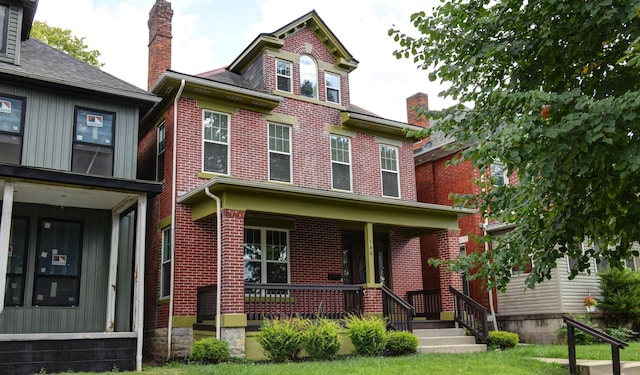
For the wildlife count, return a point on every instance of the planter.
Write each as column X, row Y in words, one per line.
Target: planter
column 590, row 309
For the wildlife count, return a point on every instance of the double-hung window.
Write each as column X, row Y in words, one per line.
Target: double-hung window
column 93, row 142
column 332, row 85
column 12, row 113
column 17, row 262
column 389, row 169
column 340, row 163
column 160, row 153
column 279, row 152
column 266, row 255
column 215, row 130
column 499, row 175
column 283, row 75
column 165, row 263
column 308, row 77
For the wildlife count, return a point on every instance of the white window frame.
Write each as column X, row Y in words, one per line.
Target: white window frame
column 4, row 28
column 331, row 137
column 227, row 143
column 165, row 240
column 161, row 147
column 327, row 87
column 263, row 247
column 289, row 154
column 384, row 170
column 289, row 77
column 309, row 71
column 505, row 174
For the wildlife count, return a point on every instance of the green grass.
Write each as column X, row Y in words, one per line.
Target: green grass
column 600, row 351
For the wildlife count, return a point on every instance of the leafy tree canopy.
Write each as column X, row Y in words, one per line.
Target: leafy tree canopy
column 552, row 88
column 65, row 42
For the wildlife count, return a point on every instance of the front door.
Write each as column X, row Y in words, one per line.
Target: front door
column 353, row 258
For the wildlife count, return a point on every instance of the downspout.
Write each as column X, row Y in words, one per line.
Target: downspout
column 486, row 248
column 218, row 260
column 174, row 197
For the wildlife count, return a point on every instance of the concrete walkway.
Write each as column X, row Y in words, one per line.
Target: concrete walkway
column 597, row 367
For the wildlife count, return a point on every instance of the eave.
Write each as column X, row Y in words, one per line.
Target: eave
column 372, row 124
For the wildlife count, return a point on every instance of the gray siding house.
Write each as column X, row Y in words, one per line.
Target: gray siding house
column 72, row 217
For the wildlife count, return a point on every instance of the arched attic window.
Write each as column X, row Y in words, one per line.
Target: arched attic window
column 308, row 77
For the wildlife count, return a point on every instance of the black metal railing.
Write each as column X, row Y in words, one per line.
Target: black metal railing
column 426, row 302
column 616, row 344
column 272, row 301
column 471, row 315
column 398, row 312
column 206, row 303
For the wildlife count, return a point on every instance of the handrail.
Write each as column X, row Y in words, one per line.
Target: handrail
column 399, row 313
column 616, row 344
column 471, row 315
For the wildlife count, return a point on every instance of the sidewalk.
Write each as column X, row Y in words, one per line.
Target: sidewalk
column 597, row 367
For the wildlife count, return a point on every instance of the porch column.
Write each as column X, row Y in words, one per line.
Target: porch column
column 5, row 226
column 233, row 319
column 372, row 293
column 138, row 289
column 448, row 248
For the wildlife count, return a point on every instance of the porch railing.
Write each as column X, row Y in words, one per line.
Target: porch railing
column 398, row 312
column 471, row 315
column 271, row 301
column 426, row 302
column 206, row 303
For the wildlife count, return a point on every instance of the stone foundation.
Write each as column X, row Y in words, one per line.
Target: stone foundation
column 533, row 328
column 155, row 344
column 236, row 339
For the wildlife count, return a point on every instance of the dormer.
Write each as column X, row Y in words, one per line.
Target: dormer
column 16, row 17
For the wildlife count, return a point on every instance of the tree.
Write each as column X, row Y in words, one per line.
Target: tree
column 552, row 91
column 65, row 42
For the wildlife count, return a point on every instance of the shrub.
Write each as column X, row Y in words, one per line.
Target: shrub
column 620, row 301
column 582, row 338
column 322, row 339
column 401, row 343
column 210, row 350
column 503, row 339
column 622, row 333
column 368, row 335
column 282, row 340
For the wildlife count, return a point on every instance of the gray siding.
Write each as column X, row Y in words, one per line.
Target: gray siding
column 574, row 291
column 90, row 315
column 13, row 37
column 518, row 300
column 48, row 130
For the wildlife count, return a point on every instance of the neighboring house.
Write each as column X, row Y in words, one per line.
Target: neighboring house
column 535, row 314
column 72, row 219
column 280, row 197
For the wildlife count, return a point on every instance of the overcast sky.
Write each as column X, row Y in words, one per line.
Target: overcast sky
column 209, row 34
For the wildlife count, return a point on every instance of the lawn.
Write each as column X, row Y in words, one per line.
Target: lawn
column 600, row 351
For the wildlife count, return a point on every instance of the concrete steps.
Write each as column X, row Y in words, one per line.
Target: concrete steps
column 446, row 340
column 597, row 367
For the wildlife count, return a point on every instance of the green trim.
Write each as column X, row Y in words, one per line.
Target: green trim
column 184, row 321
column 284, row 55
column 447, row 315
column 339, row 130
column 280, row 118
column 163, row 301
column 369, row 257
column 253, row 351
column 269, row 222
column 308, row 100
column 229, row 100
column 372, row 285
column 165, row 222
column 388, row 141
column 216, row 106
column 376, row 315
column 208, row 175
column 233, row 320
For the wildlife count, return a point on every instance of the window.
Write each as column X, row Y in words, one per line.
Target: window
column 160, row 153
column 340, row 163
column 216, row 142
column 279, row 153
column 165, row 271
column 389, row 168
column 266, row 255
column 499, row 175
column 332, row 84
column 58, row 260
column 4, row 22
column 573, row 262
column 283, row 75
column 12, row 112
column 523, row 270
column 308, row 77
column 17, row 262
column 93, row 142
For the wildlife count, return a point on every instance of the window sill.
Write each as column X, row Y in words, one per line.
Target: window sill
column 210, row 175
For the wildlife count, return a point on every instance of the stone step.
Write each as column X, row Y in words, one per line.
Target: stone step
column 430, row 324
column 446, row 340
column 468, row 348
column 597, row 367
column 440, row 332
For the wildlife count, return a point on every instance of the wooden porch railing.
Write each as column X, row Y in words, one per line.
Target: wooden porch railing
column 398, row 312
column 471, row 315
column 616, row 344
column 426, row 303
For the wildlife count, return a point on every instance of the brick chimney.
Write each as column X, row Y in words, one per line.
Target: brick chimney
column 416, row 101
column 159, row 40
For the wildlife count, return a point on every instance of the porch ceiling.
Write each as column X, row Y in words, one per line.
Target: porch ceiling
column 292, row 200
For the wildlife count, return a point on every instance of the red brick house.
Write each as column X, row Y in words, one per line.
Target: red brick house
column 280, row 197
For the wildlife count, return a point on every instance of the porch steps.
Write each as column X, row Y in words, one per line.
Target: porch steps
column 446, row 340
column 597, row 367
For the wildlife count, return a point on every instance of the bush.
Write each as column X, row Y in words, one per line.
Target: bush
column 322, row 339
column 622, row 333
column 620, row 302
column 210, row 350
column 582, row 338
column 282, row 340
column 503, row 339
column 400, row 343
column 368, row 335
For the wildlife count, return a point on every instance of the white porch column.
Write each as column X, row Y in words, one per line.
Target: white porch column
column 138, row 290
column 5, row 231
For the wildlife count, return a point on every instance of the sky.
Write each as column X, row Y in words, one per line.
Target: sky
column 210, row 34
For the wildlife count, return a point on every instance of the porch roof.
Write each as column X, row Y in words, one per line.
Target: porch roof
column 235, row 194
